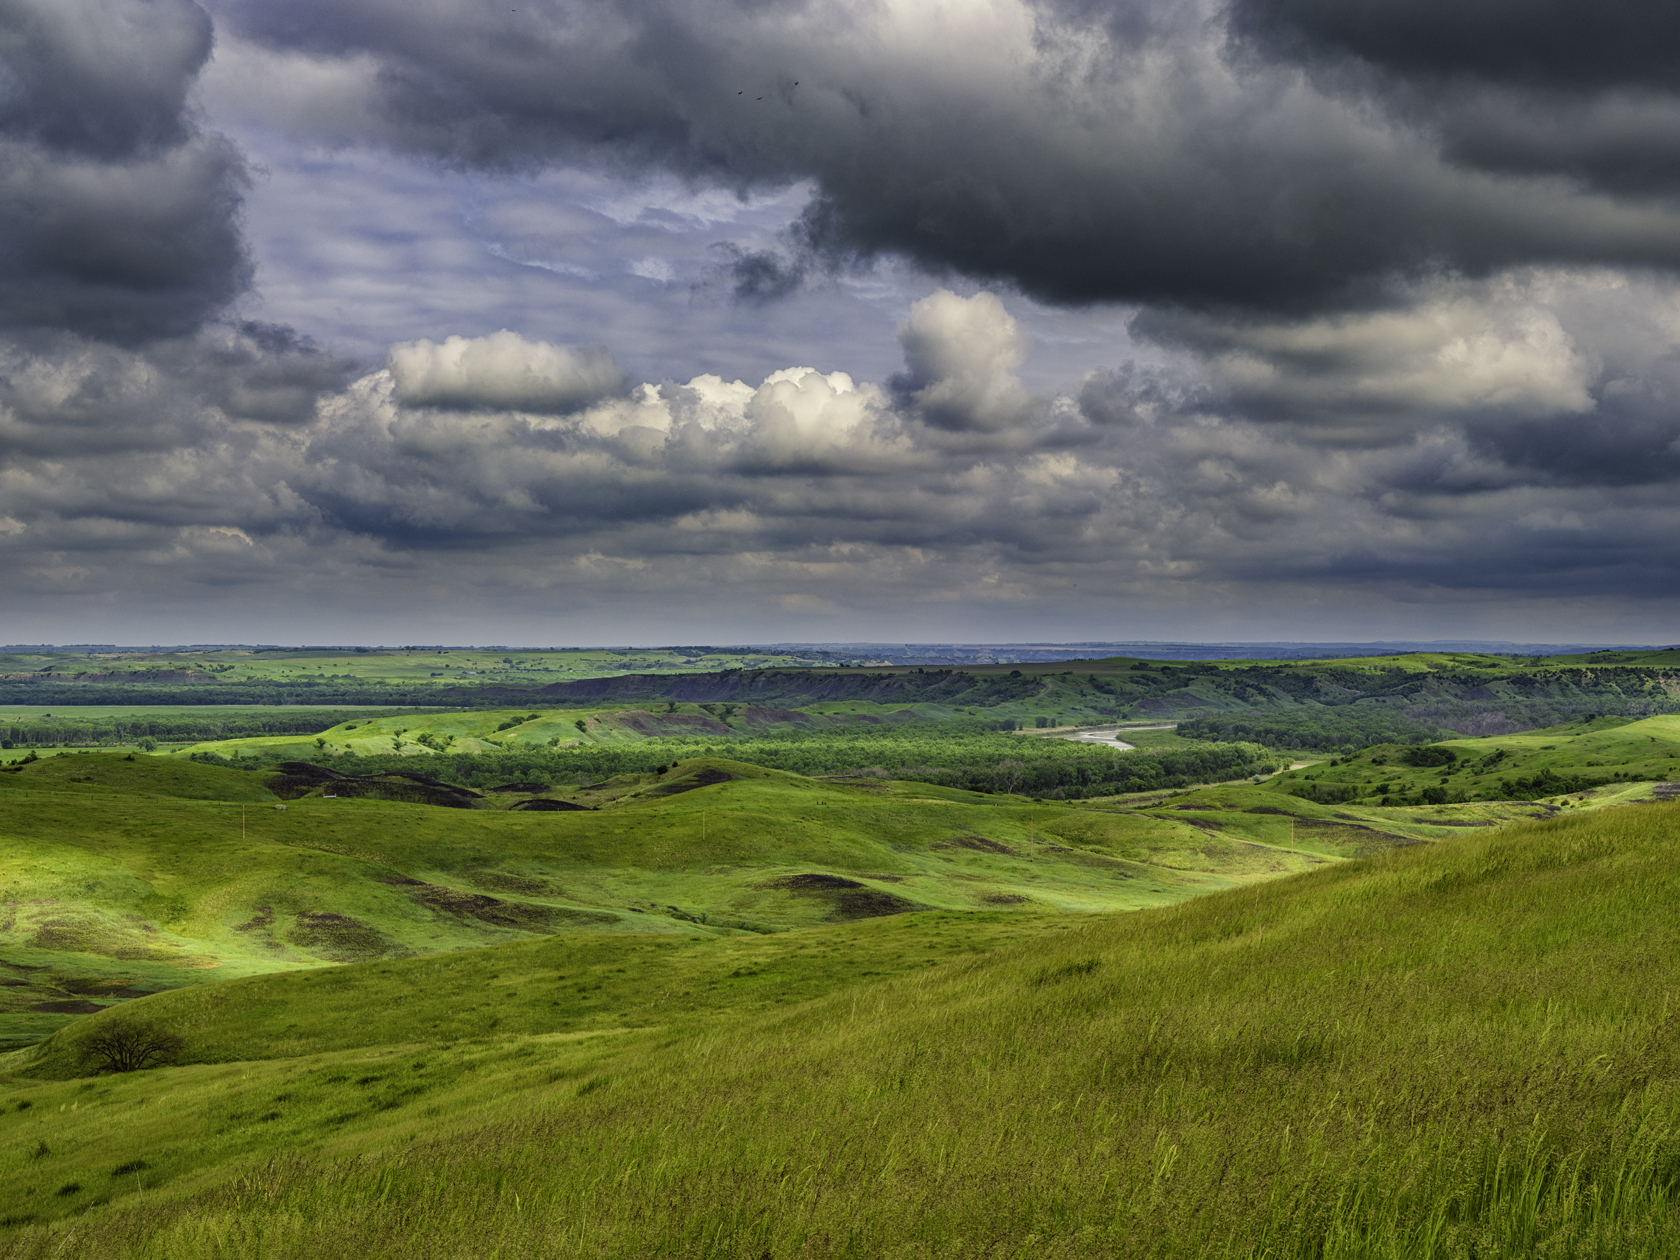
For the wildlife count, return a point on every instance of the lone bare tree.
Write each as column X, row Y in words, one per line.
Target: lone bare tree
column 129, row 1045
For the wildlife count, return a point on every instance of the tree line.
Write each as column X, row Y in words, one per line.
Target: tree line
column 1345, row 729
column 960, row 754
column 97, row 731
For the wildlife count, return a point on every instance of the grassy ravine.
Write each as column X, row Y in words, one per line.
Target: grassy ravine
column 1464, row 1049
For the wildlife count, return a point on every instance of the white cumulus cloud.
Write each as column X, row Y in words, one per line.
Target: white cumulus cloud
column 502, row 371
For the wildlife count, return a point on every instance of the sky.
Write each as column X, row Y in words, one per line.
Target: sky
column 561, row 322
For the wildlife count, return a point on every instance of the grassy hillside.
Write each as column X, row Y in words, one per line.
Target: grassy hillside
column 1581, row 761
column 523, row 729
column 1453, row 1049
column 123, row 876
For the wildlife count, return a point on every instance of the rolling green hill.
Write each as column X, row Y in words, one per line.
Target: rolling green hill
column 1447, row 1049
column 124, row 876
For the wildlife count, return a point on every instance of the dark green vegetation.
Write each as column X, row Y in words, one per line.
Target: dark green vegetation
column 961, row 753
column 1448, row 1049
column 1332, row 730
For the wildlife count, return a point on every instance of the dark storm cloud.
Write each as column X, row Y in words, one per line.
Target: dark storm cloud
column 1625, row 442
column 1376, row 361
column 118, row 218
column 102, row 78
column 250, row 370
column 1538, row 43
column 1544, row 87
column 758, row 276
column 126, row 250
column 1549, row 379
column 1085, row 155
column 64, row 396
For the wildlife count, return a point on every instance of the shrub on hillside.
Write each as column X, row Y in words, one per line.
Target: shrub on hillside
column 127, row 1045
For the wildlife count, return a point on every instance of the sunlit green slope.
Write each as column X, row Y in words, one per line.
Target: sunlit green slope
column 122, row 877
column 1453, row 1049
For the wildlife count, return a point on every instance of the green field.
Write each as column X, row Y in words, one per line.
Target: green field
column 1458, row 1048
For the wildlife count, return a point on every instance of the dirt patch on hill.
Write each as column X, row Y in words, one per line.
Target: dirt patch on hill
column 130, row 940
column 700, row 779
column 480, row 906
column 847, row 898
column 814, row 883
column 341, row 938
column 522, row 787
column 1005, row 899
column 258, row 921
column 77, row 1006
column 299, row 778
column 976, row 844
column 511, row 882
column 645, row 723
column 1354, row 841
column 540, row 805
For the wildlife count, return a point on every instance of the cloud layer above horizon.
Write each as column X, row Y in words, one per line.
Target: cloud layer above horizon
column 1396, row 294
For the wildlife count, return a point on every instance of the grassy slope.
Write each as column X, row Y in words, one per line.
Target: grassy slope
column 1459, row 1049
column 487, row 730
column 125, row 876
column 1646, row 751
